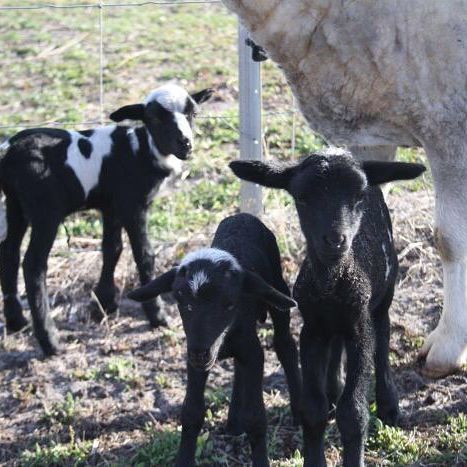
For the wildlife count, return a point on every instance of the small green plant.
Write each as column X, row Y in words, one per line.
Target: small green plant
column 454, row 437
column 74, row 453
column 216, row 398
column 122, row 369
column 163, row 445
column 163, row 381
column 61, row 412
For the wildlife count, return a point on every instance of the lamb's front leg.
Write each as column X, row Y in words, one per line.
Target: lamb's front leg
column 135, row 224
column 445, row 348
column 106, row 290
column 192, row 416
column 314, row 356
column 352, row 409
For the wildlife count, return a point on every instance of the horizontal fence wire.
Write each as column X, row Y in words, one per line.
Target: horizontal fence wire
column 43, row 6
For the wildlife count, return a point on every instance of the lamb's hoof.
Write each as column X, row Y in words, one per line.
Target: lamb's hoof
column 16, row 325
column 234, row 427
column 98, row 314
column 51, row 346
column 389, row 416
column 443, row 353
column 159, row 320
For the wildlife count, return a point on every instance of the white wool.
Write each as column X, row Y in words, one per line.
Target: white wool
column 87, row 170
column 170, row 96
column 214, row 255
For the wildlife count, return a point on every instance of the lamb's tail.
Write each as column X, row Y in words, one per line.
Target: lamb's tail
column 3, row 221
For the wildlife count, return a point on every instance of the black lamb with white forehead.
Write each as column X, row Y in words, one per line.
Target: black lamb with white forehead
column 344, row 289
column 49, row 173
column 221, row 292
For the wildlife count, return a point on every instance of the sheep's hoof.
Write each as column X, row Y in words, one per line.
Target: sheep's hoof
column 160, row 320
column 98, row 312
column 17, row 324
column 443, row 354
column 51, row 347
column 234, row 427
column 389, row 417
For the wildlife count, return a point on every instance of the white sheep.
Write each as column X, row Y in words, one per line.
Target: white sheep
column 377, row 75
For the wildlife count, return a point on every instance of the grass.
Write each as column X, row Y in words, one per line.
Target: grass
column 62, row 412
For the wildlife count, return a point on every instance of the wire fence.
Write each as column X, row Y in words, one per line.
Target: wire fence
column 101, row 7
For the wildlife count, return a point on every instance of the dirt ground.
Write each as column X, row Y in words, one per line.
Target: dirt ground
column 127, row 381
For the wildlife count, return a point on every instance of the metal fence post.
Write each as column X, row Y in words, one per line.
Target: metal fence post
column 250, row 121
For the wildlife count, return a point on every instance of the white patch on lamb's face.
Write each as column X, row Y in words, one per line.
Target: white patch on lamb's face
column 214, row 255
column 197, row 280
column 88, row 170
column 388, row 266
column 184, row 126
column 174, row 99
column 134, row 143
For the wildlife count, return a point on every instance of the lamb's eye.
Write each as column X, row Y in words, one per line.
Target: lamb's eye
column 189, row 308
column 230, row 307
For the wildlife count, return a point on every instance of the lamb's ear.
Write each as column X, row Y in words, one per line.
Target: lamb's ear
column 128, row 112
column 383, row 172
column 255, row 285
column 202, row 96
column 161, row 284
column 270, row 175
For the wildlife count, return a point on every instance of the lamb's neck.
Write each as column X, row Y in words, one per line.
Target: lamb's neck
column 325, row 276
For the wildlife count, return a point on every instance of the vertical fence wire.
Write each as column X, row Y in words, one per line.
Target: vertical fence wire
column 101, row 62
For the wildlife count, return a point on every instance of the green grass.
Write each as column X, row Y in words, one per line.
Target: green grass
column 61, row 412
column 74, row 453
column 161, row 448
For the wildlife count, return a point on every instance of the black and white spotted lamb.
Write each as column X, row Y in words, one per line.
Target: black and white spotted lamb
column 344, row 289
column 222, row 292
column 47, row 174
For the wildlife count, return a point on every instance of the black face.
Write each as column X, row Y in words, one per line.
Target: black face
column 208, row 307
column 172, row 131
column 329, row 199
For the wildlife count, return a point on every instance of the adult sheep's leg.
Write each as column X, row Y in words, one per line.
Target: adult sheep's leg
column 287, row 353
column 9, row 265
column 445, row 348
column 314, row 356
column 374, row 153
column 43, row 233
column 192, row 416
column 136, row 226
column 106, row 290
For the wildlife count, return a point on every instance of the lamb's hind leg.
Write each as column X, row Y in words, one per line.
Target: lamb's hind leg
column 9, row 265
column 445, row 348
column 287, row 353
column 43, row 232
column 106, row 290
column 387, row 400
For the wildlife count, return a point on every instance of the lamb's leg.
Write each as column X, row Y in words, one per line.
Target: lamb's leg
column 445, row 348
column 352, row 409
column 9, row 265
column 287, row 353
column 106, row 290
column 234, row 419
column 192, row 416
column 387, row 400
column 335, row 377
column 314, row 356
column 43, row 233
column 136, row 226
column 254, row 412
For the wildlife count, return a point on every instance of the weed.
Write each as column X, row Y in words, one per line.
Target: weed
column 61, row 412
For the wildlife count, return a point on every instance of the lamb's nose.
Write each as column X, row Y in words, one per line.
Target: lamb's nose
column 335, row 240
